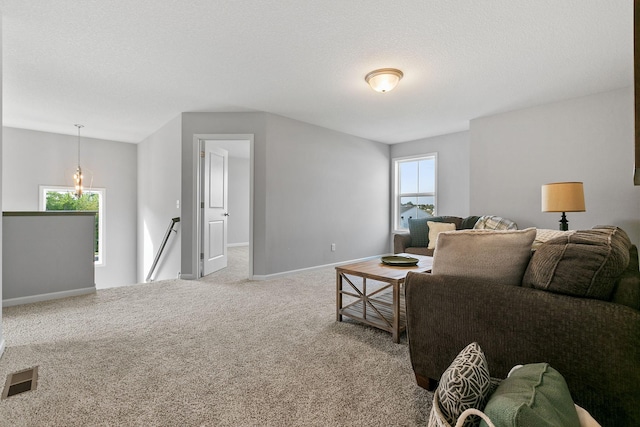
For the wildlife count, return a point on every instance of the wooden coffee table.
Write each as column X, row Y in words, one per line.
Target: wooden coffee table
column 382, row 305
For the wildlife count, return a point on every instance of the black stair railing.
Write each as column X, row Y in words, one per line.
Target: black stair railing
column 164, row 243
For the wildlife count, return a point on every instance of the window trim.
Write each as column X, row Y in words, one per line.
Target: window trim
column 102, row 195
column 395, row 164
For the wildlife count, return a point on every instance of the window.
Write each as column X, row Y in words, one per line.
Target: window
column 414, row 189
column 62, row 199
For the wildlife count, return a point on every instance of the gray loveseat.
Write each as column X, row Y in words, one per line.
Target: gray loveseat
column 576, row 308
column 417, row 240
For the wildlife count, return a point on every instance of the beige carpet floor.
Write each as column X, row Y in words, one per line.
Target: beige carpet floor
column 223, row 351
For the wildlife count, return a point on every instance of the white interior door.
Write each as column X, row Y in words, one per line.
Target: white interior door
column 214, row 208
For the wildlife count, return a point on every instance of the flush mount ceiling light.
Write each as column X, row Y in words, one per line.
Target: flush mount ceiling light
column 384, row 79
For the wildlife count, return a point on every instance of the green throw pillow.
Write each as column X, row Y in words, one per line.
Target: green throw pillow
column 469, row 222
column 535, row 395
column 419, row 231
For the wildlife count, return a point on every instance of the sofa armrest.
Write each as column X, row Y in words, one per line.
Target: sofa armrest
column 594, row 344
column 401, row 242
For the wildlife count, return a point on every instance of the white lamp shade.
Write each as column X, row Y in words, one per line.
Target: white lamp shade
column 563, row 197
column 384, row 79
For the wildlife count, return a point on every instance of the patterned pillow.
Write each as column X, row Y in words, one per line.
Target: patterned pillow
column 465, row 384
column 492, row 222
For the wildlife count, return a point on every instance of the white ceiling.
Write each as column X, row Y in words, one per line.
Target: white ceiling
column 124, row 68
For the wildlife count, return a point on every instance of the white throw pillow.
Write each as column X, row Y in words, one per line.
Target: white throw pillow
column 586, row 420
column 436, row 228
column 496, row 256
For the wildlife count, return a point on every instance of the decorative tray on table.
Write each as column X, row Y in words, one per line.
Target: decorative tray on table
column 399, row 261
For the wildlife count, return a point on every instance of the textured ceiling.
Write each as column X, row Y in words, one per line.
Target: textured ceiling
column 124, row 68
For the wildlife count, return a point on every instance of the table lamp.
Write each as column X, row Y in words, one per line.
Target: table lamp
column 563, row 197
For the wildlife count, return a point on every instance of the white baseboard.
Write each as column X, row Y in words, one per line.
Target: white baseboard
column 45, row 297
column 317, row 267
column 2, row 344
column 235, row 245
column 184, row 276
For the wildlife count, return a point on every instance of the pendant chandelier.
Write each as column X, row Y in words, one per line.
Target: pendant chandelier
column 77, row 177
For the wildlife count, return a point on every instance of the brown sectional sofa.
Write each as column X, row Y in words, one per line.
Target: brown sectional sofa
column 576, row 308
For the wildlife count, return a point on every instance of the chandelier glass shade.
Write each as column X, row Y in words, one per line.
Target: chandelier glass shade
column 77, row 177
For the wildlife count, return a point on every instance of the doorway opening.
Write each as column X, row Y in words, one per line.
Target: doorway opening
column 223, row 199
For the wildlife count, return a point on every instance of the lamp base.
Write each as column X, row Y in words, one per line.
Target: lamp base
column 564, row 224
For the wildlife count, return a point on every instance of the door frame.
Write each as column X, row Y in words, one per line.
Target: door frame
column 198, row 146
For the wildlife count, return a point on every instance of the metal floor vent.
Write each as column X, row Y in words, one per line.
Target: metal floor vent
column 19, row 382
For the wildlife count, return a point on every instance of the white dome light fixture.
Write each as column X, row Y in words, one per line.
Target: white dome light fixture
column 384, row 79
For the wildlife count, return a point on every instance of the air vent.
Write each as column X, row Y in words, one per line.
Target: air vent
column 19, row 382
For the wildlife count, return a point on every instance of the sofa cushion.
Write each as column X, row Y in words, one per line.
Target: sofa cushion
column 436, row 228
column 627, row 290
column 465, row 384
column 543, row 235
column 419, row 230
column 499, row 256
column 532, row 395
column 585, row 263
column 416, row 250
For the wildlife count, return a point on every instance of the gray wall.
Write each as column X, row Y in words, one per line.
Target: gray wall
column 316, row 192
column 1, row 150
column 158, row 194
column 239, row 178
column 453, row 169
column 64, row 257
column 51, row 159
column 587, row 139
column 324, row 187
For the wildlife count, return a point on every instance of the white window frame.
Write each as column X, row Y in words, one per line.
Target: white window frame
column 102, row 232
column 396, row 196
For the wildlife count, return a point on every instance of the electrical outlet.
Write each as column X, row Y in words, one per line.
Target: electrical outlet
column 178, row 204
column 333, row 247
